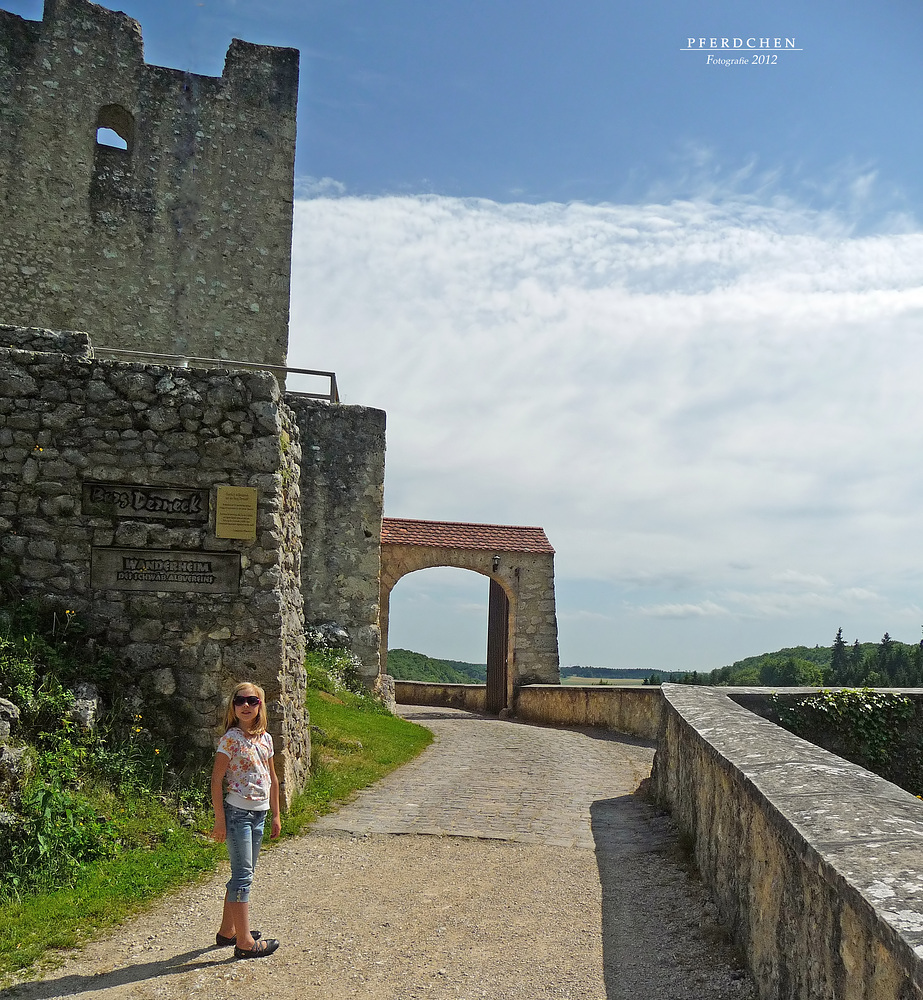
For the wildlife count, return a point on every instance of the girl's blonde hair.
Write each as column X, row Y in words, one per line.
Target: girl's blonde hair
column 230, row 717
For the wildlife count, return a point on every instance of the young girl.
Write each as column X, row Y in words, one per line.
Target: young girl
column 244, row 758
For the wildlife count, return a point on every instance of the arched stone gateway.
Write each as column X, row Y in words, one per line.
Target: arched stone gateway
column 522, row 645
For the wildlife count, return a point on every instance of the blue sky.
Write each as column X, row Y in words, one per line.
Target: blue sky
column 543, row 101
column 672, row 311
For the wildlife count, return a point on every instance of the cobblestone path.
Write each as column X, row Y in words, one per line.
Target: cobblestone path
column 488, row 778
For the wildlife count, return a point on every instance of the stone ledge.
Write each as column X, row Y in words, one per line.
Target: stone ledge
column 633, row 710
column 814, row 862
column 637, row 711
column 472, row 697
column 37, row 340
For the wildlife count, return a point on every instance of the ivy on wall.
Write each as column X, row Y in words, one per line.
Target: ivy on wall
column 881, row 731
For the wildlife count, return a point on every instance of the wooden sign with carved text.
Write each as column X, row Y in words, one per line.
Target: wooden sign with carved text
column 164, row 569
column 160, row 503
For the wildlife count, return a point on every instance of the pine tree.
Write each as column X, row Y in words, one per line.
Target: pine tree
column 856, row 670
column 839, row 659
column 884, row 659
column 916, row 667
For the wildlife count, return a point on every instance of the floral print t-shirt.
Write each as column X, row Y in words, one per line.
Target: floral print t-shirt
column 248, row 772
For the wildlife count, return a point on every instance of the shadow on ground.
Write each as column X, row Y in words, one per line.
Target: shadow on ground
column 660, row 937
column 455, row 715
column 68, row 986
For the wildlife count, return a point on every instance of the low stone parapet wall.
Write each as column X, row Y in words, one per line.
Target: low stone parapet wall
column 634, row 710
column 472, row 697
column 814, row 863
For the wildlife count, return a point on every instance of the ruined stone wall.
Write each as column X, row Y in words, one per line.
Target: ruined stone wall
column 342, row 493
column 109, row 479
column 180, row 244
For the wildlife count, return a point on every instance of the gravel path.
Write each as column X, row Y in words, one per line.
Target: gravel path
column 508, row 862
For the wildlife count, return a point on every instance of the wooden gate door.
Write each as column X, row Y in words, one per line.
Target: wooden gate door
column 498, row 618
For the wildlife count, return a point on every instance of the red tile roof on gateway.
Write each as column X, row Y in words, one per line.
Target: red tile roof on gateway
column 457, row 535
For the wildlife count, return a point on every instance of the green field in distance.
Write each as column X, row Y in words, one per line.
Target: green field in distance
column 608, row 682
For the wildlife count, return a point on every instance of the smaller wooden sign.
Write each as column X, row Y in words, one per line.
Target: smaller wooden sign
column 195, row 572
column 235, row 512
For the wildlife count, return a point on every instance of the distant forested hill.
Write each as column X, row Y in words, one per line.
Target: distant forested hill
column 888, row 663
column 605, row 672
column 794, row 665
column 405, row 665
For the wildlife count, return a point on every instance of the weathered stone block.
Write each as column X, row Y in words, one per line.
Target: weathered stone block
column 85, row 708
column 146, row 631
column 61, row 417
column 262, row 455
column 15, row 768
column 43, row 548
column 36, row 569
column 13, row 545
column 162, row 418
column 16, row 383
column 163, row 682
column 9, row 716
column 131, row 534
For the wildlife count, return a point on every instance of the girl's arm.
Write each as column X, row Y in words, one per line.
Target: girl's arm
column 274, row 800
column 219, row 832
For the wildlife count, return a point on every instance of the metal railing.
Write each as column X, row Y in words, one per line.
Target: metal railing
column 182, row 361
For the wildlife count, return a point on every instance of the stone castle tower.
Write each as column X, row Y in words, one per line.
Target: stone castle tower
column 179, row 242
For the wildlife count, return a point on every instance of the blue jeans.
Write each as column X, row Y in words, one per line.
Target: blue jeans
column 244, row 838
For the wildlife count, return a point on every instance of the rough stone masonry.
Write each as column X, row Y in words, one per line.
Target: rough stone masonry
column 109, row 479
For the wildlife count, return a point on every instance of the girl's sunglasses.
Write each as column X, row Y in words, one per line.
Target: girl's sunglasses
column 243, row 699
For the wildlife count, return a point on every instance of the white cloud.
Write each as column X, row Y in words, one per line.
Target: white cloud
column 789, row 604
column 704, row 392
column 793, row 576
column 707, row 609
column 583, row 616
column 318, row 187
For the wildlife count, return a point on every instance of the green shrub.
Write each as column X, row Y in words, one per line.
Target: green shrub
column 336, row 671
column 16, row 668
column 60, row 832
column 44, row 707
